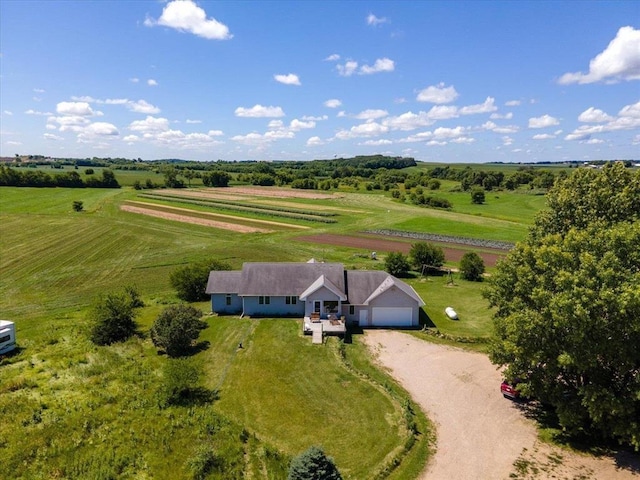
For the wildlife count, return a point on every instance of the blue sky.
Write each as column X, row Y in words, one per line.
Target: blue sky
column 474, row 81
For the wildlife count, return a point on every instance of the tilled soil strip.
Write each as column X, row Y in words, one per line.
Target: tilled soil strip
column 193, row 220
column 215, row 215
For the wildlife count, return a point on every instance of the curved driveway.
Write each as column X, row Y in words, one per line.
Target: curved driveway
column 479, row 433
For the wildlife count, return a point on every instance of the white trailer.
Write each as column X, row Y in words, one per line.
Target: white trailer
column 7, row 336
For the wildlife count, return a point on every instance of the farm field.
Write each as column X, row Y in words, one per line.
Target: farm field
column 275, row 398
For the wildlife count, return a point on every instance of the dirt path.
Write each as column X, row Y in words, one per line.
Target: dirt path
column 479, row 433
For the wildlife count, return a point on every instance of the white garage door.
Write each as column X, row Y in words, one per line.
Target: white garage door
column 391, row 317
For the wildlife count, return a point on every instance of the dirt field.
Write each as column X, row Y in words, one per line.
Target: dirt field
column 194, row 220
column 373, row 243
column 480, row 435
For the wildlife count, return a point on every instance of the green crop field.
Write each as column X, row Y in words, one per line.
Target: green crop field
column 75, row 410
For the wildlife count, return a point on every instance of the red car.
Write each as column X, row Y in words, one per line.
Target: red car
column 508, row 390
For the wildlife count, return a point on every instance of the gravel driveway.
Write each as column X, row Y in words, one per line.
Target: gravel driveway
column 479, row 433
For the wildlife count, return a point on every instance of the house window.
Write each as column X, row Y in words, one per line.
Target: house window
column 264, row 300
column 228, row 299
column 5, row 339
column 290, row 300
column 352, row 309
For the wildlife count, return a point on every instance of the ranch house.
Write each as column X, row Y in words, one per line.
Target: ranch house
column 316, row 292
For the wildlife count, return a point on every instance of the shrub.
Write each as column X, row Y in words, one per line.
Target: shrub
column 472, row 267
column 78, row 206
column 181, row 384
column 190, row 282
column 176, row 328
column 477, row 195
column 313, row 464
column 423, row 253
column 114, row 317
column 397, row 264
column 202, row 463
column 433, row 184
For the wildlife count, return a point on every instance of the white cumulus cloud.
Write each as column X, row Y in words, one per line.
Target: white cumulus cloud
column 619, row 61
column 334, row 57
column 438, row 94
column 486, row 107
column 543, row 121
column 101, row 129
column 152, row 83
column 150, row 125
column 348, row 69
column 289, row 79
column 75, row 108
column 594, row 115
column 513, row 103
column 333, row 103
column 142, row 106
column 543, row 136
column 375, row 21
column 259, row 111
column 186, row 16
column 371, row 114
column 51, row 136
column 380, row 65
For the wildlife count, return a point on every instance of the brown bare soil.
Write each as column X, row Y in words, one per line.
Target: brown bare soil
column 479, row 434
column 193, row 220
column 374, row 243
column 277, row 192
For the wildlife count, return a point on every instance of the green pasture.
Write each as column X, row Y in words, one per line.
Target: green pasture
column 82, row 411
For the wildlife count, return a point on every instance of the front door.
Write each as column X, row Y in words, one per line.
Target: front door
column 317, row 306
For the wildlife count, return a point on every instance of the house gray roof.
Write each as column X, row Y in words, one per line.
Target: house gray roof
column 365, row 285
column 277, row 279
column 223, row 282
column 359, row 287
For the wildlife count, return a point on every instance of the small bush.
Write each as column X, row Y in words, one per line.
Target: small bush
column 202, row 463
column 397, row 264
column 176, row 328
column 78, row 206
column 477, row 195
column 313, row 464
column 113, row 317
column 181, row 384
column 472, row 267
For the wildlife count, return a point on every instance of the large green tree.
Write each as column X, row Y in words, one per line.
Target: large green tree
column 424, row 253
column 190, row 281
column 567, row 304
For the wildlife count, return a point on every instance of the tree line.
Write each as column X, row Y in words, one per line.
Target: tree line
column 10, row 177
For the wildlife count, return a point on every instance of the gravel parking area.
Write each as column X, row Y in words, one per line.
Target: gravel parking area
column 480, row 435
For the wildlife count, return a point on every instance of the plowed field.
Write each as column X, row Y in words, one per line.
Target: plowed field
column 373, row 243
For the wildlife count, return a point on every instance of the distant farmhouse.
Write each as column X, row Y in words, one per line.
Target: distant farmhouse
column 316, row 292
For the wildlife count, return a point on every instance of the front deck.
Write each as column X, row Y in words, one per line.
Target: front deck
column 318, row 328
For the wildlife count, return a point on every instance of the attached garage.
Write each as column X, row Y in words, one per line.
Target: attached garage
column 391, row 316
